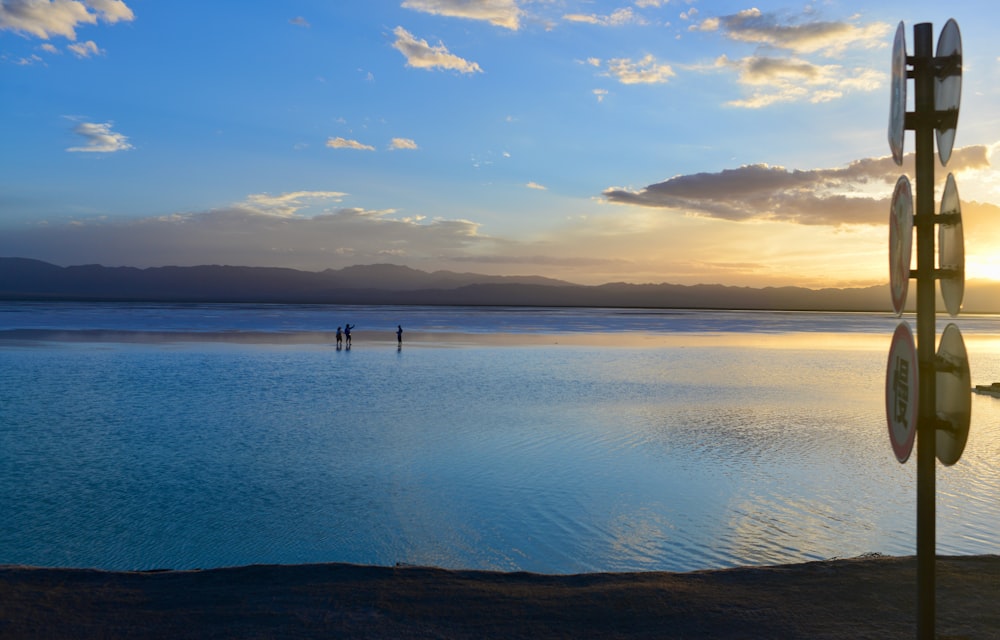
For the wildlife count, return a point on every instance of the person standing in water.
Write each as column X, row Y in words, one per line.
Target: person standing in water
column 347, row 334
column 399, row 335
column 340, row 338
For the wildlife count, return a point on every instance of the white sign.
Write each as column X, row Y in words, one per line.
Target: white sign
column 897, row 102
column 954, row 396
column 900, row 242
column 902, row 392
column 948, row 87
column 951, row 248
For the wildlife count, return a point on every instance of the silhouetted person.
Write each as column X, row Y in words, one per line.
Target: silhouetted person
column 347, row 334
column 399, row 335
column 340, row 338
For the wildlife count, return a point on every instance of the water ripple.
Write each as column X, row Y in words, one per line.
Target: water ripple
column 555, row 459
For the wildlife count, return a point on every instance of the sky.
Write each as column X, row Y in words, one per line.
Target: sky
column 593, row 141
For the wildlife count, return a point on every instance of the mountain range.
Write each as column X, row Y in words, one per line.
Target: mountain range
column 28, row 279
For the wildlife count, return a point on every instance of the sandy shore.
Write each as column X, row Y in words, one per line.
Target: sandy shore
column 854, row 598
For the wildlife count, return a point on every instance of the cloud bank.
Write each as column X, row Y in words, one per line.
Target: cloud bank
column 782, row 71
column 797, row 58
column 830, row 197
column 760, row 223
column 297, row 230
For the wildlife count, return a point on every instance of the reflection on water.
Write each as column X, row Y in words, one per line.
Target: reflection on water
column 559, row 458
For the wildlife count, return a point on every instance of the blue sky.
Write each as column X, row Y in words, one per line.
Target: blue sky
column 592, row 141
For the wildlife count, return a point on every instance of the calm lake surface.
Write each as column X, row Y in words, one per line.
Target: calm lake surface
column 549, row 440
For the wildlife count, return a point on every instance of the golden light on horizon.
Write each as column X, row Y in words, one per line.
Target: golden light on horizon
column 983, row 268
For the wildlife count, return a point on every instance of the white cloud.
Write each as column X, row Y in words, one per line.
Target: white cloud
column 792, row 61
column 342, row 143
column 99, row 138
column 778, row 80
column 831, row 38
column 85, row 49
column 24, row 61
column 617, row 18
column 288, row 205
column 299, row 21
column 402, row 143
column 600, row 93
column 423, row 56
column 47, row 18
column 111, row 10
column 501, row 13
column 645, row 71
column 535, row 185
column 708, row 24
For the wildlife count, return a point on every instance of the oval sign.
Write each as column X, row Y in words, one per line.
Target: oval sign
column 951, row 248
column 900, row 243
column 897, row 100
column 948, row 87
column 953, row 396
column 902, row 389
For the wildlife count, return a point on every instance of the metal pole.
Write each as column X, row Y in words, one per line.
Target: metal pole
column 923, row 73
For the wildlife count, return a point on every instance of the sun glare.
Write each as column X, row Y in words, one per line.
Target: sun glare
column 983, row 269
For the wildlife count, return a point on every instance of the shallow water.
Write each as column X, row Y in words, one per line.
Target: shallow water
column 756, row 439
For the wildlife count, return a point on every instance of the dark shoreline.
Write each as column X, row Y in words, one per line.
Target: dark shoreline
column 868, row 597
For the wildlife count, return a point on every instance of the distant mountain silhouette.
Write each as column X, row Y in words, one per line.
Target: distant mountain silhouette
column 26, row 279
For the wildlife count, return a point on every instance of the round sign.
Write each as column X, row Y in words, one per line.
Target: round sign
column 951, row 248
column 900, row 242
column 897, row 101
column 954, row 396
column 902, row 389
column 948, row 87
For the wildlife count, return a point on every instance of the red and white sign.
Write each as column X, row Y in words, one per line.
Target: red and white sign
column 902, row 391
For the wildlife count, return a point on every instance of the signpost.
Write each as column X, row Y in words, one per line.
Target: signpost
column 928, row 394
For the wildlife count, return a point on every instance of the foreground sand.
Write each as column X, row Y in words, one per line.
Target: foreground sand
column 856, row 598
